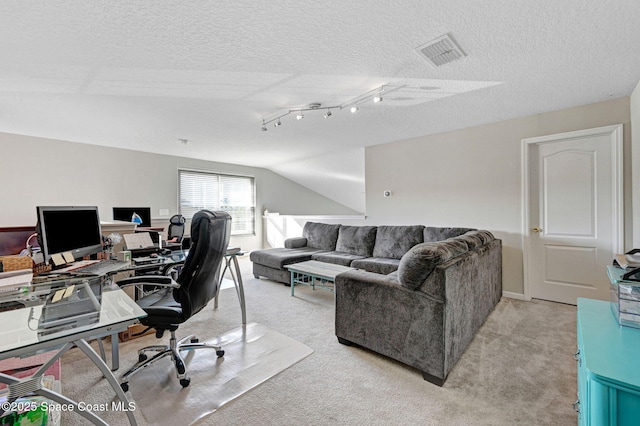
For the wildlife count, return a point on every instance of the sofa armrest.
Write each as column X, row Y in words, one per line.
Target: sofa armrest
column 296, row 242
column 419, row 262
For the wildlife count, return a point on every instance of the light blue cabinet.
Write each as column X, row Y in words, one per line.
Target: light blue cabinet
column 608, row 360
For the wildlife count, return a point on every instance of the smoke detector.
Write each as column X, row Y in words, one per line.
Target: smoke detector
column 440, row 51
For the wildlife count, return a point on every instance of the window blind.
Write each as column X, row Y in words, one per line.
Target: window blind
column 214, row 191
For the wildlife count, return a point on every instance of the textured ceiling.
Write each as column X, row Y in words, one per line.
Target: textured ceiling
column 143, row 74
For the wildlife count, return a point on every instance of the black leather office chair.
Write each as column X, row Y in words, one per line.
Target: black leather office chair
column 177, row 301
column 175, row 233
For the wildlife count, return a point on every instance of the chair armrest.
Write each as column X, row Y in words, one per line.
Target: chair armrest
column 157, row 280
column 170, row 266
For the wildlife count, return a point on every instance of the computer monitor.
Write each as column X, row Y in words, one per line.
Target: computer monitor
column 69, row 229
column 126, row 214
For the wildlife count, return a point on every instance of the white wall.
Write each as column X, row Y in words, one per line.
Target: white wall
column 36, row 171
column 634, row 108
column 472, row 177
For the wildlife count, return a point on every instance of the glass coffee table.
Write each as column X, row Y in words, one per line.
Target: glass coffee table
column 315, row 274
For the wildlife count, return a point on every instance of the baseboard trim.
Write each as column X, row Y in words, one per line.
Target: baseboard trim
column 512, row 295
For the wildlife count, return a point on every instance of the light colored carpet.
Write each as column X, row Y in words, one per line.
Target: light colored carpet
column 518, row 370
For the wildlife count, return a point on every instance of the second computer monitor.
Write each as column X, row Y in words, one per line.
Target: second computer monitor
column 130, row 214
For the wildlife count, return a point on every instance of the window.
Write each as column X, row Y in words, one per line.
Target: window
column 214, row 191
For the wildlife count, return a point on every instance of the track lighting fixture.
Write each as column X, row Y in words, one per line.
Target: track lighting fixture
column 378, row 98
column 264, row 128
column 374, row 95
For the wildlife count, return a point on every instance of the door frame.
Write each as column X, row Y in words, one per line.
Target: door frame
column 615, row 134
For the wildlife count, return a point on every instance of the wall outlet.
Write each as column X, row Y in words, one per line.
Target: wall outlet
column 164, row 212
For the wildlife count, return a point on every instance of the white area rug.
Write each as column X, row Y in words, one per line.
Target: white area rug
column 253, row 354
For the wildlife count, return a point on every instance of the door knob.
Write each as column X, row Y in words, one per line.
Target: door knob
column 537, row 230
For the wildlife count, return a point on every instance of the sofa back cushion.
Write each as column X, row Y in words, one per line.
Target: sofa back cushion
column 394, row 241
column 322, row 236
column 432, row 233
column 416, row 265
column 356, row 240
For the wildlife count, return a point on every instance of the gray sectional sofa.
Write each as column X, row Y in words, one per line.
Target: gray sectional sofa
column 418, row 294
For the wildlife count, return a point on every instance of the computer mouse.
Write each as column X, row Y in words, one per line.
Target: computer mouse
column 153, row 255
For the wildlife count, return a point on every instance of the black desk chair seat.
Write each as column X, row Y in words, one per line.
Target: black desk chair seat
column 177, row 300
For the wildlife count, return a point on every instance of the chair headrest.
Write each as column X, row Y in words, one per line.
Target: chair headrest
column 177, row 219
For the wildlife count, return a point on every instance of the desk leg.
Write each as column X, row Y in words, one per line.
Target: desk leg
column 115, row 355
column 93, row 356
column 115, row 352
column 237, row 280
column 226, row 266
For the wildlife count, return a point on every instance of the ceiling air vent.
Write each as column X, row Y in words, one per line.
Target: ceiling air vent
column 440, row 51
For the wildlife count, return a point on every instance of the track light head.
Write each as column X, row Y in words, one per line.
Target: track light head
column 277, row 123
column 264, row 128
column 300, row 116
column 354, row 109
column 328, row 114
column 377, row 99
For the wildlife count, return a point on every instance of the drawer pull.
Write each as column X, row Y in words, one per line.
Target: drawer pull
column 576, row 406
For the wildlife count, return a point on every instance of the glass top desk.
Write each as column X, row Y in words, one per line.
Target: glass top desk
column 19, row 337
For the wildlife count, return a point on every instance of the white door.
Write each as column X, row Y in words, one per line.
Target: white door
column 573, row 213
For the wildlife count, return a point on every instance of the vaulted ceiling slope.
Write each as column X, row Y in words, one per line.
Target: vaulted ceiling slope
column 143, row 74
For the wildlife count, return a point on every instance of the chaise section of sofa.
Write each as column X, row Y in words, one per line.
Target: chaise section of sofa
column 316, row 238
column 426, row 313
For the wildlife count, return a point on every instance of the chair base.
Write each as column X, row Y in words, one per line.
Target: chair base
column 173, row 350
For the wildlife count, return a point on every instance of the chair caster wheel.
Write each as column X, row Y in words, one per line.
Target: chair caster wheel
column 195, row 340
column 185, row 382
column 142, row 358
column 220, row 353
column 124, row 386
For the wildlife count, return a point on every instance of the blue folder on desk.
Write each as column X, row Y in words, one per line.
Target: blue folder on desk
column 74, row 305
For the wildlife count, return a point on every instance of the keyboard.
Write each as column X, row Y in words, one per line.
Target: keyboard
column 102, row 267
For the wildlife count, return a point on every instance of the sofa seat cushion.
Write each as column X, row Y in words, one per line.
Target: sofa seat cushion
column 393, row 242
column 321, row 236
column 378, row 265
column 278, row 257
column 432, row 233
column 357, row 240
column 337, row 257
